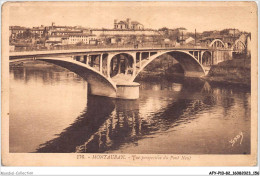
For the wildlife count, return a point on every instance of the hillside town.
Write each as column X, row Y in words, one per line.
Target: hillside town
column 124, row 33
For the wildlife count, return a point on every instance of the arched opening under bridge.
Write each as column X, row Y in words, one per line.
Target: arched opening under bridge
column 190, row 65
column 121, row 67
column 207, row 59
column 164, row 65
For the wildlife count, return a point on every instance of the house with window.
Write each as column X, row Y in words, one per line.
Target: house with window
column 82, row 38
column 16, row 30
column 128, row 25
column 135, row 25
column 63, row 32
column 39, row 31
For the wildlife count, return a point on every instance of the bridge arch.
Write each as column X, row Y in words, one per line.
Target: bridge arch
column 190, row 65
column 217, row 43
column 239, row 46
column 98, row 83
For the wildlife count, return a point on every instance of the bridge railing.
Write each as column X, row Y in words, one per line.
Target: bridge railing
column 102, row 46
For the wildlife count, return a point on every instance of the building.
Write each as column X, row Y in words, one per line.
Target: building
column 135, row 25
column 60, row 28
column 128, row 24
column 230, row 32
column 111, row 32
column 72, row 39
column 20, row 46
column 38, row 31
column 190, row 40
column 82, row 38
column 63, row 40
column 121, row 24
column 63, row 32
column 14, row 31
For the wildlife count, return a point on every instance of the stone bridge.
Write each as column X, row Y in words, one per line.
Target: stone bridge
column 111, row 72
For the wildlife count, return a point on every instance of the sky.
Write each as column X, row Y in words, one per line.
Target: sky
column 201, row 16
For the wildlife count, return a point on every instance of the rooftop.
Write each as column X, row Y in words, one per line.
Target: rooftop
column 123, row 30
column 135, row 22
column 86, row 35
column 66, row 31
column 17, row 28
column 38, row 29
column 122, row 22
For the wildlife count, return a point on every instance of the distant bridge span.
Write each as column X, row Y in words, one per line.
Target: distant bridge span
column 111, row 71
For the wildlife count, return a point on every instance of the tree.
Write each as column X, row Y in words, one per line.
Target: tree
column 142, row 38
column 117, row 38
column 165, row 31
column 133, row 38
column 79, row 44
column 27, row 33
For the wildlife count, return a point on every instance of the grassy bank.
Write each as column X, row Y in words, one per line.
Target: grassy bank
column 236, row 71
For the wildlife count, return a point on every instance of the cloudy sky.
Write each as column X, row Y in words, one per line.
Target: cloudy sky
column 200, row 15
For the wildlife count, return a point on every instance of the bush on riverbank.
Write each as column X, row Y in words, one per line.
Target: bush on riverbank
column 157, row 72
column 236, row 71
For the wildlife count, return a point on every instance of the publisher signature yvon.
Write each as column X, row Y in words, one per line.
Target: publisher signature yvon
column 237, row 138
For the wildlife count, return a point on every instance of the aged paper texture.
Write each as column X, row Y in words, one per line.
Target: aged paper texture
column 129, row 83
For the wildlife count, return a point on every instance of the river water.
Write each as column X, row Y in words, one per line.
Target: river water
column 51, row 112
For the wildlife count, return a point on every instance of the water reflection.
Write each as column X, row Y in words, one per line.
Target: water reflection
column 183, row 116
column 56, row 75
column 107, row 124
column 87, row 123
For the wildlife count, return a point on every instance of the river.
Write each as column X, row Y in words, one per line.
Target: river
column 51, row 112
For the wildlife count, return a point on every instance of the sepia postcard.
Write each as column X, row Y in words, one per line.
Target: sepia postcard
column 129, row 83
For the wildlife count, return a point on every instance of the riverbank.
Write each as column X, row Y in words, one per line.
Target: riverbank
column 236, row 71
column 230, row 72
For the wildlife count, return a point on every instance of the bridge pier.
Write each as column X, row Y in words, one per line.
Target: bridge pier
column 128, row 91
column 100, row 62
column 140, row 60
column 134, row 63
column 87, row 59
column 199, row 58
column 109, row 58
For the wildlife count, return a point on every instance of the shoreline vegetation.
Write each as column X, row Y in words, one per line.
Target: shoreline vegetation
column 236, row 71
